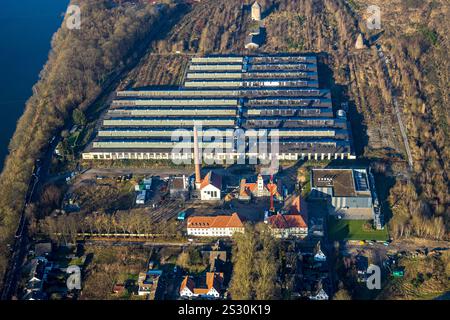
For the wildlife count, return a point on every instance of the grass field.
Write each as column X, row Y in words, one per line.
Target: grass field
column 353, row 230
column 426, row 277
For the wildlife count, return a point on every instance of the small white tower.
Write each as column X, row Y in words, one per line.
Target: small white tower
column 256, row 11
column 260, row 185
column 360, row 42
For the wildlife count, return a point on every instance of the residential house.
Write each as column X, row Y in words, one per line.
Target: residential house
column 319, row 295
column 293, row 224
column 37, row 278
column 35, row 295
column 319, row 256
column 214, row 226
column 285, row 226
column 148, row 282
column 37, row 274
column 211, row 187
column 118, row 289
column 211, row 288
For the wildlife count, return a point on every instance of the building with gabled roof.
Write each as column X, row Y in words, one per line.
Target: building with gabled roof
column 179, row 187
column 148, row 282
column 287, row 226
column 256, row 11
column 319, row 295
column 293, row 224
column 214, row 226
column 211, row 187
column 260, row 188
column 319, row 256
column 210, row 288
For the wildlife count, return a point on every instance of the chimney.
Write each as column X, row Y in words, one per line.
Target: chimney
column 272, row 206
column 198, row 178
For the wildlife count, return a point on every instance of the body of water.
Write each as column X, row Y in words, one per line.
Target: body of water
column 26, row 29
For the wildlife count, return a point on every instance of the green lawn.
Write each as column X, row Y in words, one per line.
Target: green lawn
column 353, row 230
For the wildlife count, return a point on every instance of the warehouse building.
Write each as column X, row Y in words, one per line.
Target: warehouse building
column 350, row 192
column 279, row 94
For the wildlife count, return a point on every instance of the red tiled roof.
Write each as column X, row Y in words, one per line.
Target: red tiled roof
column 213, row 279
column 272, row 188
column 187, row 282
column 118, row 288
column 246, row 188
column 280, row 221
column 232, row 221
column 213, row 179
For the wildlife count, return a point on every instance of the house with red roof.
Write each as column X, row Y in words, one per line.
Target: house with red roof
column 211, row 187
column 260, row 188
column 214, row 226
column 293, row 224
column 206, row 288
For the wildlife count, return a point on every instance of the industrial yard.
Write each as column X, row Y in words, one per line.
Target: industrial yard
column 249, row 151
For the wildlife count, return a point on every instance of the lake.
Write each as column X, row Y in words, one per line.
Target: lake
column 26, row 29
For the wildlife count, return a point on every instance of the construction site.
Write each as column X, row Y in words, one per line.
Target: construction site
column 227, row 96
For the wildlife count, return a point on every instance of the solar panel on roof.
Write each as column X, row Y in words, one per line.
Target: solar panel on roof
column 361, row 181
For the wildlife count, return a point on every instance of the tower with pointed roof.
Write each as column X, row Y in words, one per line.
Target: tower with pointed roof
column 256, row 11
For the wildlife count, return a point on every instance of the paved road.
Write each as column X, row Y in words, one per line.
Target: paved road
column 19, row 248
column 149, row 243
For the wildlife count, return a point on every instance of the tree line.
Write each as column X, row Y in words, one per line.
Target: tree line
column 65, row 227
column 81, row 63
column 421, row 206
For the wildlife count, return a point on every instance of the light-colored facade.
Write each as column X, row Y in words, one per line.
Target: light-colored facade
column 256, row 11
column 215, row 226
column 210, row 193
column 104, row 154
column 252, row 93
column 287, row 226
column 211, row 290
column 350, row 192
column 211, row 187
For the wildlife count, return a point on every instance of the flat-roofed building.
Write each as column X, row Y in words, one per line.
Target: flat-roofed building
column 279, row 94
column 350, row 192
